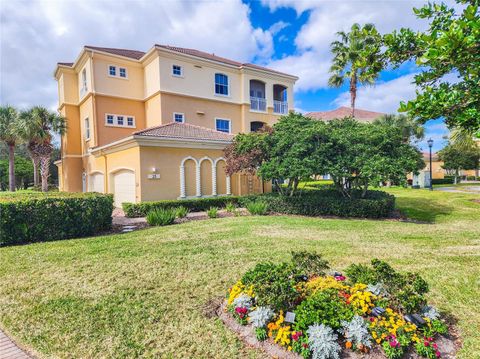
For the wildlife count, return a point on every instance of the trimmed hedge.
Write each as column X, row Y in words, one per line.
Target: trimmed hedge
column 313, row 202
column 329, row 202
column 193, row 205
column 446, row 180
column 46, row 217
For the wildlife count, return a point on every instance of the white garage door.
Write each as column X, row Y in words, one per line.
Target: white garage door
column 95, row 183
column 123, row 187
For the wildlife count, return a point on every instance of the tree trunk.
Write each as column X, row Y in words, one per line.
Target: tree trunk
column 353, row 92
column 11, row 167
column 44, row 172
column 36, row 164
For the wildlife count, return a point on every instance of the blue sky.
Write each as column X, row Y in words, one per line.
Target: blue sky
column 288, row 35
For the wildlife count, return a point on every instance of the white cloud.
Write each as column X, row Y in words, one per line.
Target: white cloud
column 325, row 19
column 37, row 34
column 384, row 97
column 278, row 26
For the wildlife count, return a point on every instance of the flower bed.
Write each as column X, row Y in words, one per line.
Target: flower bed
column 299, row 307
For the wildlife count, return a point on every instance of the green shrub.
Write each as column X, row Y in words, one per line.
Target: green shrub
column 257, row 208
column 181, row 211
column 161, row 217
column 230, row 207
column 193, row 205
column 329, row 202
column 212, row 212
column 35, row 217
column 406, row 289
column 274, row 285
column 309, row 263
column 323, row 307
column 446, row 180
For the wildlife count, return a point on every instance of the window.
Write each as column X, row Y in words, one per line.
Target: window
column 123, row 72
column 84, row 80
column 222, row 125
column 112, row 70
column 177, row 70
column 221, row 84
column 87, row 129
column 119, row 120
column 178, row 117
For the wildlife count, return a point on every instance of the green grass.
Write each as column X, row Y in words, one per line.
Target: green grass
column 144, row 293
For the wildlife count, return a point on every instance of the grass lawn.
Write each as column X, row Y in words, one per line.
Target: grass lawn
column 143, row 293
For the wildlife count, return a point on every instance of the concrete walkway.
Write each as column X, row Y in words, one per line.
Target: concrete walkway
column 460, row 189
column 9, row 350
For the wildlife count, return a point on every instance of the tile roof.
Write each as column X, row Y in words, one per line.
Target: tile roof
column 341, row 112
column 133, row 54
column 185, row 131
column 213, row 57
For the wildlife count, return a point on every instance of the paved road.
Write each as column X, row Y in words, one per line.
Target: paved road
column 466, row 189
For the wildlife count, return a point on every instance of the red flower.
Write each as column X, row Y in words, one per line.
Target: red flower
column 435, row 346
column 437, row 354
column 340, row 278
column 296, row 335
column 426, row 343
column 305, row 345
column 372, row 319
column 429, row 339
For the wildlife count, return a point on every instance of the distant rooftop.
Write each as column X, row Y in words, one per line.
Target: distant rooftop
column 137, row 55
column 185, row 131
column 341, row 112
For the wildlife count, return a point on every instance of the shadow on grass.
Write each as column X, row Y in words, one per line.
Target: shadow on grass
column 422, row 209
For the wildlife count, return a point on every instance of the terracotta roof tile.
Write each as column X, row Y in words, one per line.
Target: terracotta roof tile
column 341, row 112
column 186, row 131
column 133, row 54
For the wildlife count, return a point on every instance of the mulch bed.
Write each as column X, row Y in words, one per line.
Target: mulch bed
column 448, row 345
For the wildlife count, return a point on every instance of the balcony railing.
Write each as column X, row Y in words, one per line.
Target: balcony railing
column 258, row 104
column 280, row 107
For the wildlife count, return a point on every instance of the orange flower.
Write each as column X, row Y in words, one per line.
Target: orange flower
column 348, row 345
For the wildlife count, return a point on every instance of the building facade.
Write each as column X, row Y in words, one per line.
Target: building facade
column 153, row 125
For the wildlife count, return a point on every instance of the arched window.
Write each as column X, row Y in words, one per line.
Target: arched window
column 221, row 84
column 280, row 104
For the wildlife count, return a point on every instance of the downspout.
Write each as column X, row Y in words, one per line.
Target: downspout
column 94, row 100
column 105, row 168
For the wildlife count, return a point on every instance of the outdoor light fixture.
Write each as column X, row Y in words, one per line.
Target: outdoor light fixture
column 415, row 319
column 430, row 145
column 378, row 311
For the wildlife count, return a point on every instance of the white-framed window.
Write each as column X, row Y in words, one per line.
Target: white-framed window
column 112, row 70
column 87, row 129
column 117, row 71
column 221, row 84
column 222, row 125
column 178, row 117
column 119, row 120
column 177, row 70
column 84, row 80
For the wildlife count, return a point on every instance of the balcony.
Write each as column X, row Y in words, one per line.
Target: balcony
column 258, row 104
column 280, row 107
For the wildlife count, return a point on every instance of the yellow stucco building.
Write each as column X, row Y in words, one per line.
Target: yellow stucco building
column 153, row 125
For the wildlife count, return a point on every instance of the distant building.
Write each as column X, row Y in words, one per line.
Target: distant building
column 341, row 112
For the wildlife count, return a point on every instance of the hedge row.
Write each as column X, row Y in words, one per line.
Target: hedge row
column 329, row 202
column 36, row 218
column 446, row 180
column 315, row 202
column 194, row 205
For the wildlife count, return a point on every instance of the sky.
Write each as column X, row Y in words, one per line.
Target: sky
column 288, row 35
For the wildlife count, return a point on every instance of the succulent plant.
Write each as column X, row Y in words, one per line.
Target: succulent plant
column 323, row 342
column 356, row 331
column 261, row 316
column 430, row 312
column 243, row 301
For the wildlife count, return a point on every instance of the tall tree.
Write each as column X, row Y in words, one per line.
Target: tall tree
column 412, row 131
column 357, row 59
column 9, row 121
column 460, row 156
column 37, row 127
column 448, row 52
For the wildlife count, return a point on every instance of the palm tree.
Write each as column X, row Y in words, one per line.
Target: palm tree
column 412, row 131
column 357, row 59
column 8, row 133
column 37, row 126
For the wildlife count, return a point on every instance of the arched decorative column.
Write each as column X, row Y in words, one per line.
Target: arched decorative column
column 229, row 186
column 183, row 191
column 197, row 180
column 214, row 178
